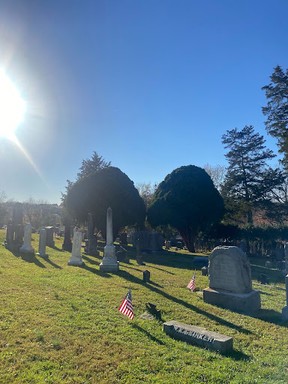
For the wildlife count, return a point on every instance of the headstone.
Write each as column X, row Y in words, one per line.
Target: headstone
column 285, row 309
column 15, row 231
column 146, row 276
column 50, row 236
column 67, row 243
column 42, row 243
column 76, row 257
column 27, row 247
column 92, row 240
column 286, row 256
column 147, row 241
column 199, row 336
column 109, row 262
column 204, row 271
column 230, row 284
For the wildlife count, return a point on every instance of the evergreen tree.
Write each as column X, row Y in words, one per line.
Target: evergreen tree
column 277, row 110
column 92, row 165
column 188, row 201
column 249, row 180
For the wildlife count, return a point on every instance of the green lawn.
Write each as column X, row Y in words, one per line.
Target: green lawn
column 60, row 324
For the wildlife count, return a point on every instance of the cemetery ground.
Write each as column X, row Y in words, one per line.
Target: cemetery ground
column 61, row 324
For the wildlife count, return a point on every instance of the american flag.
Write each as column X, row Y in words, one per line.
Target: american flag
column 192, row 284
column 126, row 306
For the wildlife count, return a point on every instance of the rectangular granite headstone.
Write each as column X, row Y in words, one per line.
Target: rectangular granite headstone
column 230, row 283
column 198, row 336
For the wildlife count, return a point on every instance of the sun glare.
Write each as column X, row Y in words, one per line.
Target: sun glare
column 12, row 107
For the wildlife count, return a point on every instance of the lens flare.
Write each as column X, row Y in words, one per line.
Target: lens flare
column 12, row 107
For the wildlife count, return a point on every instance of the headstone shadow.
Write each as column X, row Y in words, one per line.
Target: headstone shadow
column 30, row 258
column 46, row 258
column 270, row 316
column 127, row 276
column 148, row 334
column 95, row 271
column 93, row 262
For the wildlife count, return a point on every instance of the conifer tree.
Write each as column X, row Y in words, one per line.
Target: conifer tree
column 249, row 180
column 277, row 110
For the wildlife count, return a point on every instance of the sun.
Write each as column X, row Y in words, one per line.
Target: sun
column 12, row 107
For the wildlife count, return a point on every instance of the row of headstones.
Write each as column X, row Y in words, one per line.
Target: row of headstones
column 18, row 237
column 109, row 261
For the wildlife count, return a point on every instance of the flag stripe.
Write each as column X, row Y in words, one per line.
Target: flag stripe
column 191, row 285
column 126, row 306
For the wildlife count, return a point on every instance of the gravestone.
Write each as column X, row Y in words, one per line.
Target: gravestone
column 147, row 241
column 15, row 231
column 285, row 309
column 92, row 240
column 286, row 256
column 199, row 336
column 27, row 247
column 146, row 276
column 42, row 243
column 50, row 236
column 230, row 284
column 109, row 262
column 67, row 243
column 76, row 257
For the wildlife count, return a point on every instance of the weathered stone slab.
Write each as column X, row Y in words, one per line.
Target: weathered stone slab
column 230, row 283
column 229, row 270
column 239, row 302
column 199, row 336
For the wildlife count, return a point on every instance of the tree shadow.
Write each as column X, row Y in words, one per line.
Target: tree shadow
column 128, row 276
column 161, row 269
column 135, row 269
column 148, row 334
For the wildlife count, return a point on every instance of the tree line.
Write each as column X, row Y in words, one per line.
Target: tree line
column 198, row 203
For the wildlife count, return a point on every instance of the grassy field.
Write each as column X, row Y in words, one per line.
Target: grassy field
column 60, row 324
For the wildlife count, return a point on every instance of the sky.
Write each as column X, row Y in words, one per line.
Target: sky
column 150, row 85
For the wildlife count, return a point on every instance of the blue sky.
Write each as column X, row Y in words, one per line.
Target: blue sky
column 150, row 85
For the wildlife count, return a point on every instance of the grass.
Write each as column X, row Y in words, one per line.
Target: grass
column 60, row 324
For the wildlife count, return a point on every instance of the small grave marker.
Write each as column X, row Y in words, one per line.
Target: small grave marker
column 199, row 336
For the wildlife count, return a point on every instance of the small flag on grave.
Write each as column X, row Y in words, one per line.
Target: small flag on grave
column 192, row 284
column 126, row 306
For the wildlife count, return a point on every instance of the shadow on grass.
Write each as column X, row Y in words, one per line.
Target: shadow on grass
column 148, row 334
column 237, row 355
column 93, row 262
column 160, row 269
column 270, row 316
column 95, row 271
column 28, row 257
column 55, row 248
column 127, row 276
column 46, row 258
column 156, row 284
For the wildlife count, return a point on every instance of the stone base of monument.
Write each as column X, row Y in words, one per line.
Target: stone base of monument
column 76, row 261
column 41, row 254
column 239, row 302
column 109, row 265
column 285, row 313
column 199, row 336
column 27, row 249
column 109, row 261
